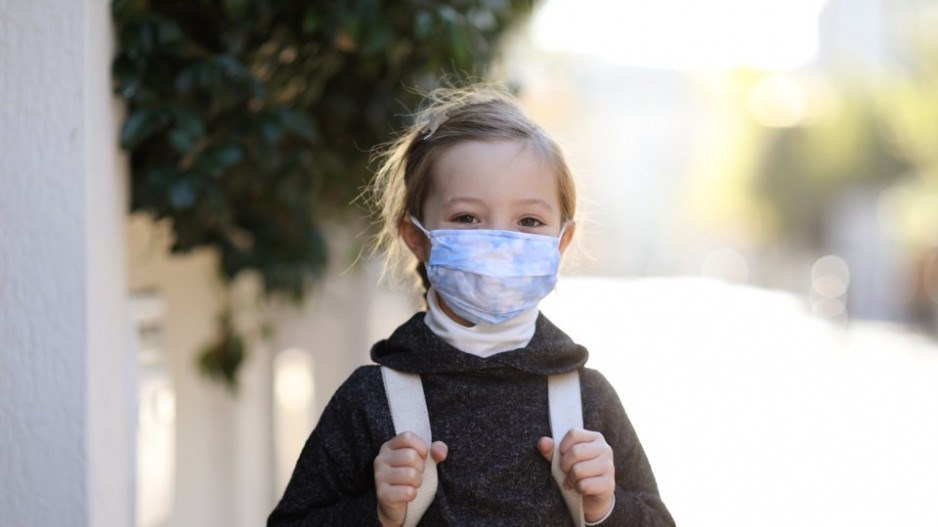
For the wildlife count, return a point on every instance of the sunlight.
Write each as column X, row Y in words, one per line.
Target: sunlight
column 294, row 400
column 755, row 413
column 683, row 34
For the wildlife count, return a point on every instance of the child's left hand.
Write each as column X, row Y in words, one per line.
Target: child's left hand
column 586, row 459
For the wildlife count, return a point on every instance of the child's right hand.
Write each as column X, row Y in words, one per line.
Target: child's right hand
column 399, row 472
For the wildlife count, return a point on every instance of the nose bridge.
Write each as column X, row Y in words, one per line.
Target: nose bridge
column 501, row 216
column 502, row 222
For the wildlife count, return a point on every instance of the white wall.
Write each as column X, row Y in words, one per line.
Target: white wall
column 344, row 316
column 224, row 447
column 190, row 294
column 112, row 362
column 65, row 450
column 225, row 470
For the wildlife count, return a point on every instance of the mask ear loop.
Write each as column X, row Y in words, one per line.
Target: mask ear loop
column 419, row 226
column 564, row 228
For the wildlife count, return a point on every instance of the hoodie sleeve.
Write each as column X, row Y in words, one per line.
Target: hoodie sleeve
column 333, row 481
column 637, row 503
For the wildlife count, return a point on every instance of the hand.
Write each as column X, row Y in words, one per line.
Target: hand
column 586, row 459
column 399, row 472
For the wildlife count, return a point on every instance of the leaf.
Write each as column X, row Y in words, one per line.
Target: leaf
column 299, row 123
column 139, row 126
column 187, row 120
column 310, row 19
column 378, row 39
column 459, row 47
column 147, row 35
column 215, row 161
column 270, row 128
column 229, row 155
column 126, row 77
column 183, row 193
column 236, row 8
column 188, row 79
column 232, row 67
column 168, row 32
column 423, row 25
column 448, row 14
column 350, row 24
column 222, row 359
column 181, row 140
column 120, row 7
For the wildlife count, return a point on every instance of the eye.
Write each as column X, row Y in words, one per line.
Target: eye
column 530, row 222
column 465, row 218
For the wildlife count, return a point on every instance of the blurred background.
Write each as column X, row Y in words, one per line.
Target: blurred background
column 755, row 270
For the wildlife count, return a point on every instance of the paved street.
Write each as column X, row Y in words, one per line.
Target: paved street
column 755, row 413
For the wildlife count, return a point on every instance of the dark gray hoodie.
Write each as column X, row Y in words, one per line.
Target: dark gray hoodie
column 490, row 412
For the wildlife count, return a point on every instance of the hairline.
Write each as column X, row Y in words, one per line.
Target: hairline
column 538, row 141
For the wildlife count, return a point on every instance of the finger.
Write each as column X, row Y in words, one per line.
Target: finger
column 396, row 494
column 399, row 476
column 581, row 452
column 439, row 451
column 545, row 446
column 588, row 471
column 389, row 514
column 597, row 486
column 404, row 457
column 408, row 440
column 577, row 435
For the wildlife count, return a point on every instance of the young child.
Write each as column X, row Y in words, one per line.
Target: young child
column 483, row 199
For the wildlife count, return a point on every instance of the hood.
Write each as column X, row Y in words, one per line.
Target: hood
column 414, row 348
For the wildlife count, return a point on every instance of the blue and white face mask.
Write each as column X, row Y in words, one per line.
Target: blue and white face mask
column 491, row 276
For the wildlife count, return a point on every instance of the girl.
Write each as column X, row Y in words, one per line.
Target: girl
column 482, row 198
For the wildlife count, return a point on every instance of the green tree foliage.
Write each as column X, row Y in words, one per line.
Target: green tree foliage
column 250, row 121
column 804, row 169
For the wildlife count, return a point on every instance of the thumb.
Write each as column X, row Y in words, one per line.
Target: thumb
column 546, row 447
column 439, row 451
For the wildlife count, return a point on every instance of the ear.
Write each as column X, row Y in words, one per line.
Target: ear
column 567, row 235
column 415, row 239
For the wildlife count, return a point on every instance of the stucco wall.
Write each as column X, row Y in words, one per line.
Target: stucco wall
column 111, row 360
column 42, row 274
column 64, row 447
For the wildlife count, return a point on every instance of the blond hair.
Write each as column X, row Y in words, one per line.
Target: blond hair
column 481, row 112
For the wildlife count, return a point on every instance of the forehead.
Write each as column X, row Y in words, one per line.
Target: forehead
column 496, row 168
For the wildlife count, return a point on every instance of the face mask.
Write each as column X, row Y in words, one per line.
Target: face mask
column 491, row 276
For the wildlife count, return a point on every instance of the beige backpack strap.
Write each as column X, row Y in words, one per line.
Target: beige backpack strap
column 409, row 412
column 566, row 412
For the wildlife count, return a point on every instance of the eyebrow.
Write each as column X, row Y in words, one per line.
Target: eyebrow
column 535, row 201
column 462, row 199
column 525, row 202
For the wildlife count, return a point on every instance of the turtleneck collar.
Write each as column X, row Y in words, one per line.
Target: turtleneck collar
column 415, row 348
column 481, row 340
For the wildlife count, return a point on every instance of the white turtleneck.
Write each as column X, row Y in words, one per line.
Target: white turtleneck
column 483, row 340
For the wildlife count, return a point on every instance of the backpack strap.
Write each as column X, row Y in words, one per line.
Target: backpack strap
column 408, row 406
column 409, row 413
column 566, row 412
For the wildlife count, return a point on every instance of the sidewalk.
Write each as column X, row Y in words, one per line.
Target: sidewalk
column 756, row 414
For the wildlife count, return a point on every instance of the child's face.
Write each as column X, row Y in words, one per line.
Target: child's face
column 502, row 184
